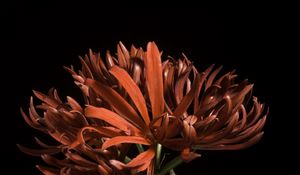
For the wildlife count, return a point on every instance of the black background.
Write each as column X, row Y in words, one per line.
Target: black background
column 44, row 37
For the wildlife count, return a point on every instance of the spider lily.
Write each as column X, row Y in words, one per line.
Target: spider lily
column 136, row 99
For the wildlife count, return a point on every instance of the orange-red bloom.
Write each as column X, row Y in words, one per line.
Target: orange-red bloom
column 136, row 99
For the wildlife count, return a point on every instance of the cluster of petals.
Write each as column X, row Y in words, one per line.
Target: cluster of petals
column 136, row 98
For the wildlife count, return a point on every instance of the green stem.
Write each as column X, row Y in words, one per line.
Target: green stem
column 172, row 172
column 127, row 159
column 158, row 154
column 140, row 148
column 170, row 165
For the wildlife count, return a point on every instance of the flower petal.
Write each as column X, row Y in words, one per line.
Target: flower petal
column 74, row 104
column 132, row 89
column 47, row 170
column 123, row 55
column 52, row 102
column 102, row 131
column 142, row 159
column 110, row 117
column 212, row 77
column 179, row 86
column 38, row 152
column 188, row 98
column 117, row 102
column 124, row 139
column 153, row 72
column 188, row 156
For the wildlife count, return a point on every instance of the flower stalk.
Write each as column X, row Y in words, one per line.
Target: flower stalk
column 158, row 155
column 170, row 166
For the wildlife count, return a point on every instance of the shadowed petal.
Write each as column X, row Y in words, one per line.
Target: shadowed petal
column 188, row 98
column 47, row 170
column 38, row 152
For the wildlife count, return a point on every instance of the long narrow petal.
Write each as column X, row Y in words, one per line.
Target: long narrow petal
column 123, row 55
column 212, row 77
column 116, row 101
column 132, row 89
column 188, row 156
column 188, row 98
column 150, row 170
column 42, row 144
column 243, row 145
column 124, row 139
column 110, row 117
column 38, row 152
column 74, row 104
column 143, row 158
column 80, row 160
column 196, row 97
column 106, row 132
column 30, row 123
column 46, row 99
column 51, row 160
column 179, row 86
column 153, row 72
column 47, row 170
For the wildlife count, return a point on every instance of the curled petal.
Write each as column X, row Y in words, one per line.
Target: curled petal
column 124, row 139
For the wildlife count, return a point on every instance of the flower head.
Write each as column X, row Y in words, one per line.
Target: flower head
column 136, row 99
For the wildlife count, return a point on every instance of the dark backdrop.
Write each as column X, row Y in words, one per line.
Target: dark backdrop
column 239, row 36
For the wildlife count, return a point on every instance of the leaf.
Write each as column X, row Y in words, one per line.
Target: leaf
column 124, row 139
column 132, row 89
column 153, row 72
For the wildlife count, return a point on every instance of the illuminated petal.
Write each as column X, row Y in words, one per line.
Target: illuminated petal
column 153, row 72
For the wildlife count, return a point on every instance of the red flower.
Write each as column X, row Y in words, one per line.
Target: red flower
column 135, row 99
